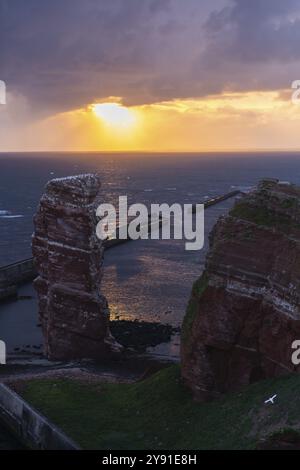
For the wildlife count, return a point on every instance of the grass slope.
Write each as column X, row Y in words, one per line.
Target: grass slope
column 159, row 413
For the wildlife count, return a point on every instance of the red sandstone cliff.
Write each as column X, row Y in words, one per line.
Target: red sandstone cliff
column 68, row 257
column 243, row 315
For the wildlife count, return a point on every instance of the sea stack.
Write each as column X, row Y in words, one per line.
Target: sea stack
column 68, row 257
column 243, row 315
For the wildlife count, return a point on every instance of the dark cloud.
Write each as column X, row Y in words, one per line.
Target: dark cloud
column 251, row 45
column 256, row 31
column 67, row 53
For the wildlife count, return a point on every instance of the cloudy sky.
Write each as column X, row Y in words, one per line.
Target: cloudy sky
column 151, row 75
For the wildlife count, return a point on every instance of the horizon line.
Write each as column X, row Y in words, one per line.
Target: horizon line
column 250, row 150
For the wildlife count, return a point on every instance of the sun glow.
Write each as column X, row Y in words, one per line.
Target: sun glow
column 115, row 115
column 240, row 120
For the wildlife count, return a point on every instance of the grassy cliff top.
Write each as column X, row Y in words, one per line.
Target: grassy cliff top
column 159, row 413
column 274, row 205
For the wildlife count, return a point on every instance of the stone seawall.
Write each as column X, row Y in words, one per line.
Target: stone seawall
column 15, row 274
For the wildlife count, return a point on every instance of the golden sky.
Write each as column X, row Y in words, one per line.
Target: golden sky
column 227, row 121
column 150, row 75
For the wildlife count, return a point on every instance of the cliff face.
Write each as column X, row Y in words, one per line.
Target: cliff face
column 68, row 258
column 243, row 315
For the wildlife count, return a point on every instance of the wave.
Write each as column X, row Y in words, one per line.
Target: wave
column 8, row 215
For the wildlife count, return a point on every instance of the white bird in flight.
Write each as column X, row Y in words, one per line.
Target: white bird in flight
column 271, row 399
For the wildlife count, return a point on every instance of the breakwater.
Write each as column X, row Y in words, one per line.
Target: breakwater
column 15, row 274
column 216, row 200
column 20, row 272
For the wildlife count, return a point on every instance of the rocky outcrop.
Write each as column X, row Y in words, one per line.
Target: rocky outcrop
column 68, row 258
column 243, row 315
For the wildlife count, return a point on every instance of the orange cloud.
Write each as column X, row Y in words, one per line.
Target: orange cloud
column 228, row 121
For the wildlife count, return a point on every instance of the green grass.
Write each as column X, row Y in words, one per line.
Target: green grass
column 262, row 216
column 159, row 413
column 289, row 203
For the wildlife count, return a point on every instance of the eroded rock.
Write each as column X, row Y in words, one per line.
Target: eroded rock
column 68, row 257
column 243, row 315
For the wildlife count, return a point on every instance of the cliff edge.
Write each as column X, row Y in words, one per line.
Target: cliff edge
column 243, row 314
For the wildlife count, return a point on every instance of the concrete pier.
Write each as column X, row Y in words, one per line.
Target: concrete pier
column 16, row 274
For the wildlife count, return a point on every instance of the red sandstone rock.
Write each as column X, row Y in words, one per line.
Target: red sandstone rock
column 243, row 314
column 68, row 258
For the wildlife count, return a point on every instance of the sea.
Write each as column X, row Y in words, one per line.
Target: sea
column 144, row 280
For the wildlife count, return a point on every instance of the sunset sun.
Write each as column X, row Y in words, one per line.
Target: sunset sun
column 115, row 115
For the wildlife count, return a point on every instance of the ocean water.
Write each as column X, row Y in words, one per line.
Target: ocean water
column 143, row 280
